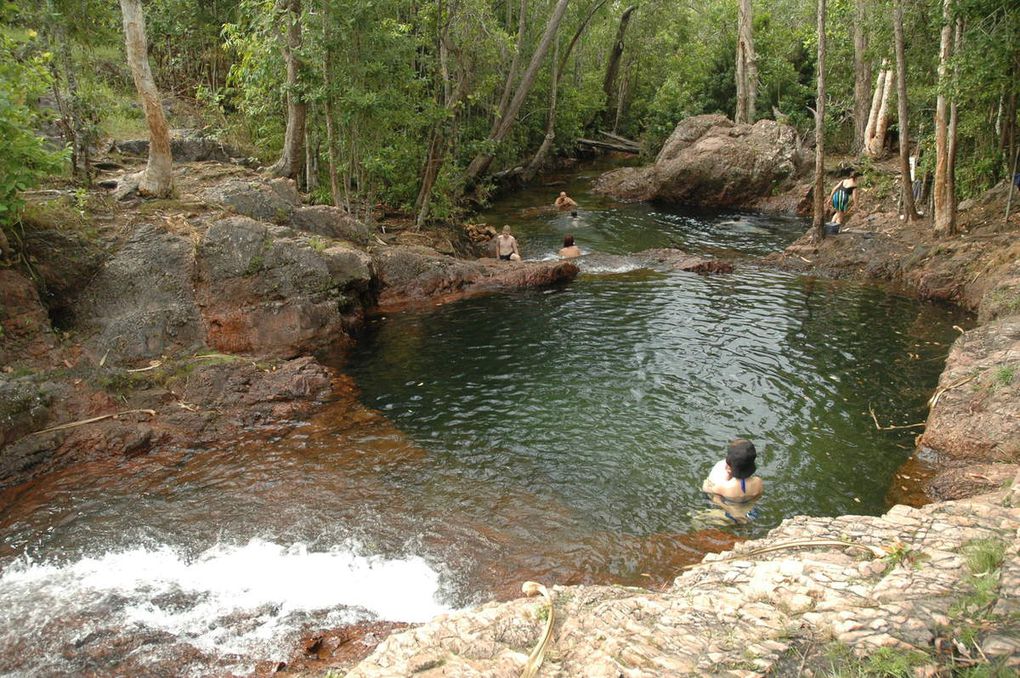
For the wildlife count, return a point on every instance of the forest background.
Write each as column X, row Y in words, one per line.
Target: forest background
column 414, row 105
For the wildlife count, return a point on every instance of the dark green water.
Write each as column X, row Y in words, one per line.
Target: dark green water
column 613, row 396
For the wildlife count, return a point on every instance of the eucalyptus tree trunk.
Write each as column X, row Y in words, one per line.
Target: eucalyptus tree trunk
column 862, row 76
column 511, row 77
column 559, row 64
column 613, row 66
column 292, row 157
column 157, row 179
column 480, row 164
column 818, row 216
column 944, row 212
column 954, row 118
column 746, row 65
column 878, row 120
column 906, row 189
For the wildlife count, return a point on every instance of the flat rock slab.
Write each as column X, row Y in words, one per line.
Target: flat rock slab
column 412, row 275
column 740, row 613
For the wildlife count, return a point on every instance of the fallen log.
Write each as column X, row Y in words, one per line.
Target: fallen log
column 608, row 146
column 619, row 139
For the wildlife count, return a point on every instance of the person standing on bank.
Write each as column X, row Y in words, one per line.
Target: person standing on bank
column 843, row 197
column 506, row 246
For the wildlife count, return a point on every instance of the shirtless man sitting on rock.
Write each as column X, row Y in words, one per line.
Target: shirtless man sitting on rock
column 506, row 246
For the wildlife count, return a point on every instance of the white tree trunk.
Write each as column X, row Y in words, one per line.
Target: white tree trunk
column 157, row 180
column 876, row 141
column 746, row 66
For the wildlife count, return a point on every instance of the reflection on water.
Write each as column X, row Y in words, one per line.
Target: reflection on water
column 559, row 435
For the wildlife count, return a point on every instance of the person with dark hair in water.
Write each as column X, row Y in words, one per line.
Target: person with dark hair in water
column 732, row 485
column 569, row 249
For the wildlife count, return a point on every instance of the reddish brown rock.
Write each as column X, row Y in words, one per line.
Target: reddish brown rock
column 678, row 260
column 410, row 275
column 25, row 332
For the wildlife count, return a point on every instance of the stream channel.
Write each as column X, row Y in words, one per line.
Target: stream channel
column 557, row 434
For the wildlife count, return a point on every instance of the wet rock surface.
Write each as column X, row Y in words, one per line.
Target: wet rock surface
column 900, row 583
column 710, row 161
column 409, row 275
column 678, row 260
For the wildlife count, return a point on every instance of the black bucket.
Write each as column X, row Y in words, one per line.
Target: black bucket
column 831, row 228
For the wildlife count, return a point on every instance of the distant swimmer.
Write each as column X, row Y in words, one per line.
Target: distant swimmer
column 569, row 250
column 565, row 203
column 732, row 485
column 506, row 246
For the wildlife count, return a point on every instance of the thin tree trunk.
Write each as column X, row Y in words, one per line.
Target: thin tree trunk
column 293, row 155
column 480, row 164
column 954, row 120
column 906, row 188
column 511, row 77
column 943, row 212
column 539, row 159
column 157, row 179
column 746, row 65
column 862, row 76
column 331, row 141
column 613, row 65
column 818, row 217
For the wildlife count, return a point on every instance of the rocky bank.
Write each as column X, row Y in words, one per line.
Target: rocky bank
column 172, row 323
column 926, row 590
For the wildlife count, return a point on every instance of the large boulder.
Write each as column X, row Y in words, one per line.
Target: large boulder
column 273, row 291
column 274, row 200
column 187, row 145
column 330, row 222
column 710, row 161
column 141, row 304
column 25, row 332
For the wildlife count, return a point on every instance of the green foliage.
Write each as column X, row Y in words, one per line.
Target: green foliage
column 24, row 157
column 883, row 663
column 983, row 555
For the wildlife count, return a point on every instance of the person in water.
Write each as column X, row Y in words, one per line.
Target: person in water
column 732, row 485
column 569, row 249
column 565, row 203
column 506, row 246
column 843, row 197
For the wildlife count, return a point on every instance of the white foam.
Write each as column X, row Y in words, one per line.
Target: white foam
column 272, row 587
